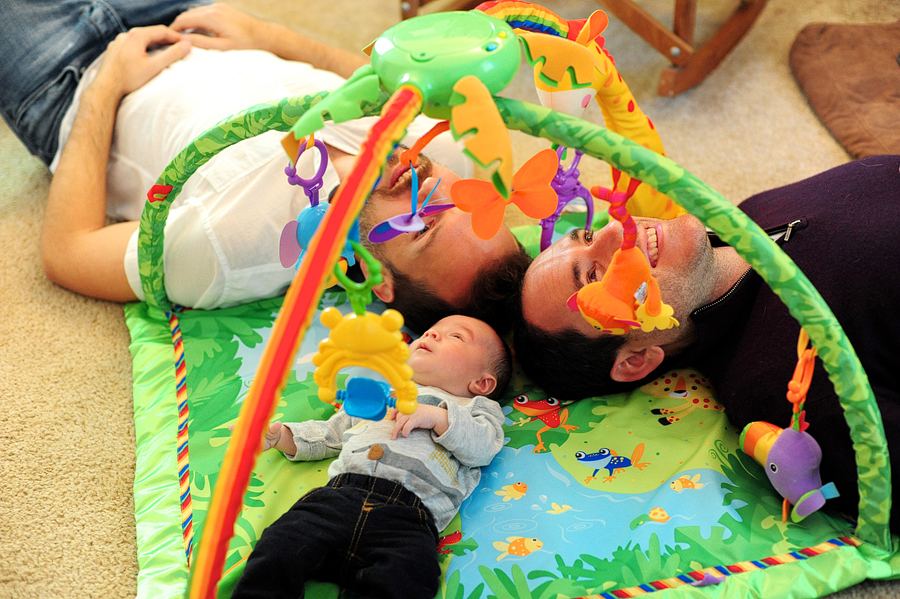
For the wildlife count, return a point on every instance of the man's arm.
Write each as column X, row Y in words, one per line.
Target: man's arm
column 223, row 27
column 78, row 250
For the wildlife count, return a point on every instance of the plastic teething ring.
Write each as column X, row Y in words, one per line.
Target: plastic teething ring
column 314, row 182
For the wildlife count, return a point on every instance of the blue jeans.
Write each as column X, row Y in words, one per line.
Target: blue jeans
column 367, row 534
column 45, row 46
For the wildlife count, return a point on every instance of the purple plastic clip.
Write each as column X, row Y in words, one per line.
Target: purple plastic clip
column 312, row 185
column 567, row 187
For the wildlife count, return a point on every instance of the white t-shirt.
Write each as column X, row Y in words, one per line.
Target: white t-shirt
column 223, row 230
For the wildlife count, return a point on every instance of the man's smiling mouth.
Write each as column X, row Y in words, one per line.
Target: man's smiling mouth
column 401, row 171
column 652, row 245
column 401, row 176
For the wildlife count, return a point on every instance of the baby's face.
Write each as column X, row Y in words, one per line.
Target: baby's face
column 453, row 353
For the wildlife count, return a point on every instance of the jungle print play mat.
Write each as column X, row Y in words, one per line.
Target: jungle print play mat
column 691, row 509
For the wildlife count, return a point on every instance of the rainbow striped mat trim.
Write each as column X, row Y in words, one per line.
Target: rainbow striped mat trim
column 184, row 474
column 720, row 572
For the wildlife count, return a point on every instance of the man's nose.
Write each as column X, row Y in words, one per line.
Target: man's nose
column 607, row 240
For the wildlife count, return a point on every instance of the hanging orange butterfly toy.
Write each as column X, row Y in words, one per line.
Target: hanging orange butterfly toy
column 487, row 200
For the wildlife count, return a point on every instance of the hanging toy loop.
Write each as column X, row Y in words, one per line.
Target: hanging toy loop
column 360, row 294
column 312, row 185
column 568, row 187
column 369, row 341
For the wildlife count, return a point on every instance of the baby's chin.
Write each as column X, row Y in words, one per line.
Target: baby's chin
column 419, row 362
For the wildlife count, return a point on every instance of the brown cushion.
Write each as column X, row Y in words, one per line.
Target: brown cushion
column 851, row 76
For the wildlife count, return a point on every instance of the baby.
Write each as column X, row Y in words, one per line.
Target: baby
column 373, row 528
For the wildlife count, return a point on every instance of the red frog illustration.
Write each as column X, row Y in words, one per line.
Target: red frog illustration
column 550, row 411
column 451, row 539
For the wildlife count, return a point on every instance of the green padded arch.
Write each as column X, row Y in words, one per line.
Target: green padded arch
column 733, row 226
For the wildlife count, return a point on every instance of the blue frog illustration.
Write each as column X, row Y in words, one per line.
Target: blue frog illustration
column 606, row 458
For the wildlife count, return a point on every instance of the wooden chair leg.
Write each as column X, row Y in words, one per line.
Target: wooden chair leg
column 685, row 20
column 409, row 8
column 666, row 42
column 690, row 65
column 675, row 79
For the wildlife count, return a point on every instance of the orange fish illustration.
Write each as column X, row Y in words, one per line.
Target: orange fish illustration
column 558, row 509
column 684, row 482
column 518, row 546
column 514, row 491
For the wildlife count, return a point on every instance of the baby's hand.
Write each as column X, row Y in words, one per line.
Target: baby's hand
column 272, row 436
column 430, row 417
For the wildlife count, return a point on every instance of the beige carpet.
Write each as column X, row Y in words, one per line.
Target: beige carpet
column 66, row 433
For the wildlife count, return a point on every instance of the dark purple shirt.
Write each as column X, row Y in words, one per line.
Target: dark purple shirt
column 845, row 239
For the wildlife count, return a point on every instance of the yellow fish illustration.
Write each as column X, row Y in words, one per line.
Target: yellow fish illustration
column 518, row 546
column 686, row 483
column 558, row 509
column 515, row 491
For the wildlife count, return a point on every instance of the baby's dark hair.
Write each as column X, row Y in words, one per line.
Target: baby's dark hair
column 501, row 367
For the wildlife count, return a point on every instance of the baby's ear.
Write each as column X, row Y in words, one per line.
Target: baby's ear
column 484, row 385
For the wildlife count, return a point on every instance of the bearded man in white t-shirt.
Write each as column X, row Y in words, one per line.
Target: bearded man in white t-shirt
column 118, row 117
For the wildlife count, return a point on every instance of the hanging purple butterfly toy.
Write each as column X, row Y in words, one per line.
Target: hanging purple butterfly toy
column 408, row 223
column 296, row 235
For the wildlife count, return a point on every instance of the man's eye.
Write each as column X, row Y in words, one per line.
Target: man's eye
column 592, row 276
column 588, row 236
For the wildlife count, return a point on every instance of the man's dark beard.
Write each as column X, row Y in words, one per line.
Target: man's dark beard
column 366, row 222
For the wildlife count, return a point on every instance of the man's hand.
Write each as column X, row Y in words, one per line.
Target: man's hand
column 223, row 27
column 129, row 62
column 430, row 417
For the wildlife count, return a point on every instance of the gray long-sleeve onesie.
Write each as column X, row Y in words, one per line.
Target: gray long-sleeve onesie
column 442, row 470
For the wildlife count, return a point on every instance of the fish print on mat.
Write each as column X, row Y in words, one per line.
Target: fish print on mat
column 515, row 491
